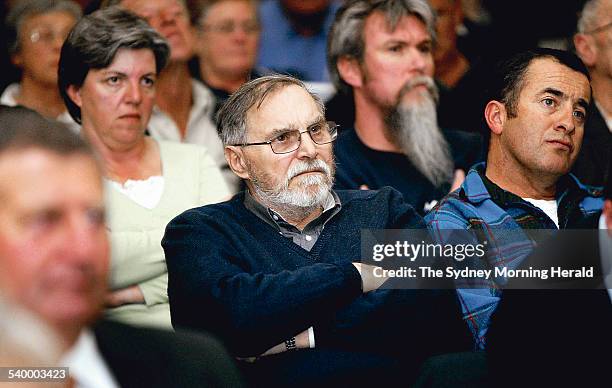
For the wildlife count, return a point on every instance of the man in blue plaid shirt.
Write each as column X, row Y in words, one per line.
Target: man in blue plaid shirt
column 536, row 112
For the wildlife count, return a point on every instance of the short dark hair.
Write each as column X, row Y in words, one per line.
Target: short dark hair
column 23, row 128
column 95, row 40
column 507, row 79
column 509, row 74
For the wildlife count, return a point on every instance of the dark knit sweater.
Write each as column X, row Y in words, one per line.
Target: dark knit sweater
column 232, row 274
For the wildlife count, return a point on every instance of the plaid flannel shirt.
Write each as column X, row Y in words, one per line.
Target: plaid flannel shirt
column 501, row 219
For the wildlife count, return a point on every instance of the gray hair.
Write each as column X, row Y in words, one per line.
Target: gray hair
column 589, row 16
column 232, row 117
column 94, row 42
column 28, row 8
column 346, row 34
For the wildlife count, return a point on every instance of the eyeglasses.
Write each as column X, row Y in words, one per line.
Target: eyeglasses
column 249, row 28
column 288, row 141
column 599, row 29
column 47, row 35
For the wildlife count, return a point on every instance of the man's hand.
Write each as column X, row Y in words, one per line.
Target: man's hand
column 128, row 295
column 301, row 342
column 368, row 280
column 458, row 179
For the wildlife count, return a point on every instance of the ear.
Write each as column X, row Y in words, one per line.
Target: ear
column 75, row 95
column 17, row 60
column 585, row 48
column 236, row 160
column 350, row 71
column 495, row 116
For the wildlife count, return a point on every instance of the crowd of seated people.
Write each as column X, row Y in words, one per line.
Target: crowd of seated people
column 128, row 250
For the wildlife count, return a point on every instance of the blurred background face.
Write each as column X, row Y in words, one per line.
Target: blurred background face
column 449, row 18
column 53, row 244
column 171, row 19
column 230, row 36
column 40, row 41
column 305, row 6
column 116, row 102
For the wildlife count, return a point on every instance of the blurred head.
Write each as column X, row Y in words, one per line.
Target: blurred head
column 449, row 16
column 593, row 41
column 295, row 182
column 36, row 30
column 301, row 7
column 168, row 17
column 53, row 243
column 108, row 69
column 537, row 109
column 229, row 37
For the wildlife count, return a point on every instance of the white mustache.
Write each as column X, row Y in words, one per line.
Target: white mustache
column 316, row 165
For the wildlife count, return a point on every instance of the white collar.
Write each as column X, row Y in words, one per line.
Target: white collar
column 86, row 365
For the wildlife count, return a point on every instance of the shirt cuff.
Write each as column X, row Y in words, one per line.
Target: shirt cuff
column 311, row 338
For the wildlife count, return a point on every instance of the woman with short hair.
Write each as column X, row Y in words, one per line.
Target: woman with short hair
column 108, row 68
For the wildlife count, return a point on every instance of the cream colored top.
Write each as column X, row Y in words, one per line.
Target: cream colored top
column 191, row 179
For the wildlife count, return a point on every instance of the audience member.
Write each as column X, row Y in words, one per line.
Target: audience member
column 383, row 51
column 294, row 35
column 226, row 46
column 277, row 268
column 450, row 63
column 184, row 107
column 108, row 72
column 54, row 262
column 37, row 29
column 536, row 114
column 593, row 44
column 561, row 336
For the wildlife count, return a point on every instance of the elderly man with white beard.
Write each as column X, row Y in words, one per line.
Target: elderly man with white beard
column 276, row 271
column 382, row 50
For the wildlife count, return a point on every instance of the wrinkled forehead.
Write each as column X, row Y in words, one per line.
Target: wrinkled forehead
column 287, row 106
column 548, row 73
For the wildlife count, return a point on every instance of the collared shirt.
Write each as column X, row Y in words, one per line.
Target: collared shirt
column 86, row 365
column 9, row 98
column 304, row 238
column 201, row 129
column 500, row 217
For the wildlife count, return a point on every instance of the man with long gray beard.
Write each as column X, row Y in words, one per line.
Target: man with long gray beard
column 382, row 50
column 276, row 271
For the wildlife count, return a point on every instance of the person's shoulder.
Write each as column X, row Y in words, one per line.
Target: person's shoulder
column 196, row 358
column 216, row 213
column 354, row 196
column 386, row 200
column 452, row 211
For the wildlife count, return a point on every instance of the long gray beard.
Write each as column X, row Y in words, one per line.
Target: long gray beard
column 414, row 127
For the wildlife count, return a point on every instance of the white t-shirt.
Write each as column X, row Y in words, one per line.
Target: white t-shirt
column 548, row 206
column 147, row 193
column 86, row 365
